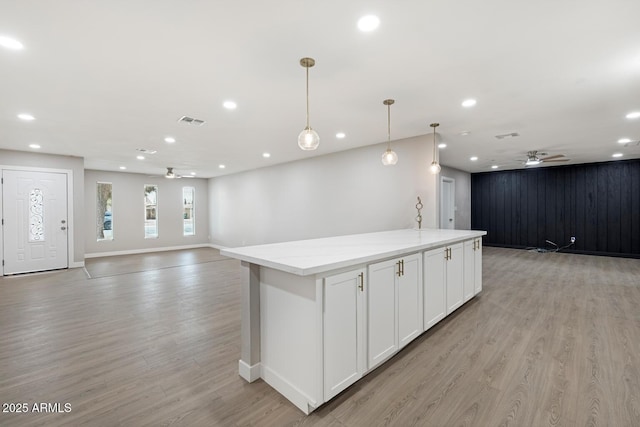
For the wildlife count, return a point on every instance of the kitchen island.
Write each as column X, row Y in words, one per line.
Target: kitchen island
column 319, row 314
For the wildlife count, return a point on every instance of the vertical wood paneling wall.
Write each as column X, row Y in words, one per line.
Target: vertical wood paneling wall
column 598, row 203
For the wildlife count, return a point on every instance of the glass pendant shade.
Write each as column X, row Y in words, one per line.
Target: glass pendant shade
column 308, row 139
column 389, row 157
column 435, row 167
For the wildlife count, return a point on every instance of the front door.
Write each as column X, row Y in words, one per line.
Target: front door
column 35, row 224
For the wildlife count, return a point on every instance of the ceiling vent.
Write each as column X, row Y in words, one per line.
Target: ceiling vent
column 508, row 135
column 191, row 121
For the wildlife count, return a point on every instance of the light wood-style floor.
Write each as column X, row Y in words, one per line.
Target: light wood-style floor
column 554, row 339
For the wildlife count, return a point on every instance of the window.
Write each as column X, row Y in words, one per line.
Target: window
column 104, row 211
column 188, row 211
column 150, row 211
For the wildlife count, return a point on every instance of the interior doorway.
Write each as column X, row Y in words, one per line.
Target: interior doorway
column 447, row 203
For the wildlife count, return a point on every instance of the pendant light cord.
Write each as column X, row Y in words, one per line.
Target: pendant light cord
column 388, row 126
column 307, row 97
column 434, row 145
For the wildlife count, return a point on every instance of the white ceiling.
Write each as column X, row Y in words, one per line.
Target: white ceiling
column 104, row 78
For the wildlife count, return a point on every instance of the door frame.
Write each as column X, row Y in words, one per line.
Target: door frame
column 452, row 181
column 70, row 218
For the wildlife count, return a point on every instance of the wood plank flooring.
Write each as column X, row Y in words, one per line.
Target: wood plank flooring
column 553, row 339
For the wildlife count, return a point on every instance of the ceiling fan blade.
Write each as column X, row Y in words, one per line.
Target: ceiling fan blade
column 544, row 159
column 557, row 160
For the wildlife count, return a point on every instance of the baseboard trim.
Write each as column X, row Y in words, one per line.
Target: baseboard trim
column 249, row 373
column 147, row 250
column 296, row 396
column 216, row 246
column 76, row 264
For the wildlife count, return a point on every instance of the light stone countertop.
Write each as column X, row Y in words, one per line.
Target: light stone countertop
column 307, row 257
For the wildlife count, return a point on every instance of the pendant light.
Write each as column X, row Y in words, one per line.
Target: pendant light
column 389, row 157
column 435, row 167
column 308, row 138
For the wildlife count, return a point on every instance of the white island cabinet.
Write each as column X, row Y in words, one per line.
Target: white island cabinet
column 394, row 306
column 344, row 319
column 319, row 314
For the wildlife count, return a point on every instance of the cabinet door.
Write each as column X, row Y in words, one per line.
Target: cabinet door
column 409, row 283
column 343, row 319
column 435, row 304
column 469, row 269
column 455, row 277
column 478, row 267
column 381, row 311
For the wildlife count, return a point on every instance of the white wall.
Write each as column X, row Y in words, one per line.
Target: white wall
column 49, row 161
column 335, row 194
column 462, row 196
column 128, row 213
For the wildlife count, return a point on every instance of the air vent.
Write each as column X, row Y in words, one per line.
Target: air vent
column 191, row 121
column 508, row 135
column 146, row 151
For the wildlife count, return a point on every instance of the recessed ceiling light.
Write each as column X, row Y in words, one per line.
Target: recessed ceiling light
column 10, row 43
column 624, row 140
column 633, row 115
column 140, row 157
column 34, row 146
column 123, row 167
column 193, row 174
column 221, row 166
column 26, row 117
column 473, row 158
column 340, row 135
column 469, row 103
column 169, row 140
column 616, row 155
column 442, row 145
column 368, row 23
column 494, row 166
column 465, row 132
column 266, row 155
column 229, row 105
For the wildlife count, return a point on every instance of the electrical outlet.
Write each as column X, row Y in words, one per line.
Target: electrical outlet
column 573, row 239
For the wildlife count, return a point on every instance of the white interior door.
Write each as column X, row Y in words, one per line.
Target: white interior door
column 34, row 206
column 447, row 203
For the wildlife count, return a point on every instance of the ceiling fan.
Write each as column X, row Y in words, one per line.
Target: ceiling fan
column 533, row 159
column 172, row 175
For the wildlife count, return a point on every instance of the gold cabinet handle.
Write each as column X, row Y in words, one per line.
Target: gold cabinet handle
column 399, row 273
column 402, row 265
column 361, row 285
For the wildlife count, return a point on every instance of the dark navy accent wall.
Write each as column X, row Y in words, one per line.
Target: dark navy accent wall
column 598, row 203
